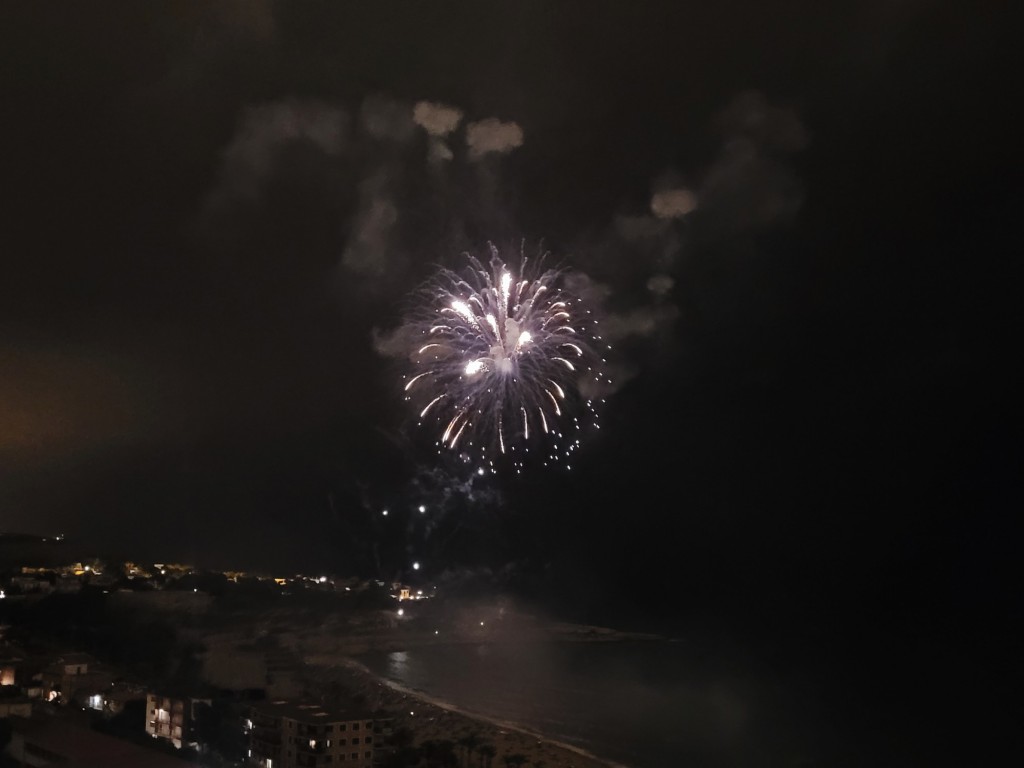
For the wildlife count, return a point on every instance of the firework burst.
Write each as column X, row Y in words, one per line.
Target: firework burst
column 507, row 368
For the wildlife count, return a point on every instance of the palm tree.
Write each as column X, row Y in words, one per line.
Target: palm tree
column 487, row 753
column 439, row 754
column 446, row 753
column 469, row 743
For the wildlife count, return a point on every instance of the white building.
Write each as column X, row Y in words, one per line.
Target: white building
column 172, row 718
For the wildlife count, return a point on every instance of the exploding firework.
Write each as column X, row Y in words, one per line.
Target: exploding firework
column 507, row 364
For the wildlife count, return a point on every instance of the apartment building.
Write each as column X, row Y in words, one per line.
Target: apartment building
column 172, row 718
column 285, row 734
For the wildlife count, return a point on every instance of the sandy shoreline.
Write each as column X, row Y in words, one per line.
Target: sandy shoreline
column 430, row 718
column 322, row 651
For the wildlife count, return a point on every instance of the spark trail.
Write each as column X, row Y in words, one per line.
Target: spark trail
column 506, row 370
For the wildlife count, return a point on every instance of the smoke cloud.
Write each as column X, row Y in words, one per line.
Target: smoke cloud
column 249, row 160
column 398, row 343
column 673, row 203
column 368, row 247
column 628, row 274
column 492, row 136
column 386, row 119
column 752, row 185
column 436, row 119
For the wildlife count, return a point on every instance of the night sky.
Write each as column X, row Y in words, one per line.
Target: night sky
column 215, row 213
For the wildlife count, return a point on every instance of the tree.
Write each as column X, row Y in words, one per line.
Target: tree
column 208, row 723
column 6, row 761
column 439, row 754
column 406, row 757
column 402, row 737
column 469, row 743
column 487, row 753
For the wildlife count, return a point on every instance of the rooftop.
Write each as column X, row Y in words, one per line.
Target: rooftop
column 84, row 748
column 312, row 713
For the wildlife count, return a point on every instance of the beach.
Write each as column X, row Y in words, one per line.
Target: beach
column 431, row 719
column 322, row 655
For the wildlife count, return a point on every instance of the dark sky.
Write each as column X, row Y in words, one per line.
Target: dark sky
column 214, row 214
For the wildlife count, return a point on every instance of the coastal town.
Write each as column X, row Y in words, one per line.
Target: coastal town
column 108, row 662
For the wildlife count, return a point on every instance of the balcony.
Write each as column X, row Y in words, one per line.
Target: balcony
column 265, row 721
column 266, row 735
column 303, row 747
column 265, row 751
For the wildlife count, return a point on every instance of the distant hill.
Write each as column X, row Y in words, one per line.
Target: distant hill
column 18, row 549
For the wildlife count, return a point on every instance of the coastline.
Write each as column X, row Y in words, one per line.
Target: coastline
column 431, row 718
column 323, row 653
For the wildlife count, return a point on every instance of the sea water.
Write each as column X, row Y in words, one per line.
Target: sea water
column 644, row 704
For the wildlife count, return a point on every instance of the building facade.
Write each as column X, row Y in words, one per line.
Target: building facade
column 172, row 718
column 67, row 676
column 9, row 667
column 21, row 706
column 284, row 734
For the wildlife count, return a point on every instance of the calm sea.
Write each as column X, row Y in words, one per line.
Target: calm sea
column 644, row 704
column 802, row 700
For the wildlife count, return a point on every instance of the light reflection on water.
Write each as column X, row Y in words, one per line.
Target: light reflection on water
column 644, row 704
